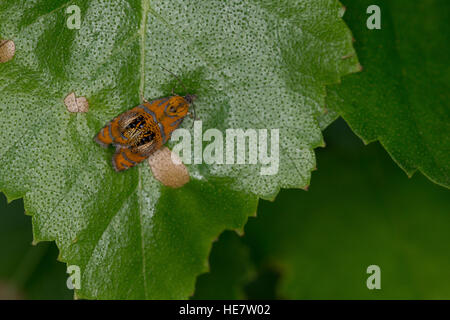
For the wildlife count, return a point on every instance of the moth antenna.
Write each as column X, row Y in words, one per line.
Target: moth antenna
column 195, row 111
column 182, row 84
column 176, row 77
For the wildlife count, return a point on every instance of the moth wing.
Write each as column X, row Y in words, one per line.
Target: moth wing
column 125, row 158
column 126, row 118
column 147, row 148
column 104, row 138
column 119, row 127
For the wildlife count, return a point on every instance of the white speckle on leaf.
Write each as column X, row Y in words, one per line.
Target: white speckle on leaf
column 75, row 104
column 170, row 173
column 7, row 50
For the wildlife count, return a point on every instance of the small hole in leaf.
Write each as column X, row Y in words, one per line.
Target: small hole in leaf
column 7, row 50
column 76, row 104
column 170, row 173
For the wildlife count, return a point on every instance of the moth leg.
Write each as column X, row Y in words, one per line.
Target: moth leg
column 141, row 95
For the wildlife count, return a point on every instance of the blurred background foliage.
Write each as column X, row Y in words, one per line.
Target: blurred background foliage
column 27, row 271
column 361, row 209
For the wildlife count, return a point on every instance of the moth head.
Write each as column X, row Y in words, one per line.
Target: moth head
column 177, row 107
column 190, row 98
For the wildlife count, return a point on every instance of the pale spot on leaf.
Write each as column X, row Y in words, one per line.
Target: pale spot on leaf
column 170, row 173
column 75, row 104
column 7, row 50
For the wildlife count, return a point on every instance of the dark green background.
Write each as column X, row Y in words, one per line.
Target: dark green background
column 361, row 209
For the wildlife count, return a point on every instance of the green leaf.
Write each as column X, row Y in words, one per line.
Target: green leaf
column 259, row 65
column 360, row 210
column 402, row 96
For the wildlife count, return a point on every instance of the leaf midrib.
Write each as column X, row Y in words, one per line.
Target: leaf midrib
column 145, row 5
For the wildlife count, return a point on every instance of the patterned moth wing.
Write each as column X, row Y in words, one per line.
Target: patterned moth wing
column 141, row 131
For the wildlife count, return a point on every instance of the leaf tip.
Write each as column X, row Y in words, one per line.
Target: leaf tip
column 240, row 231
